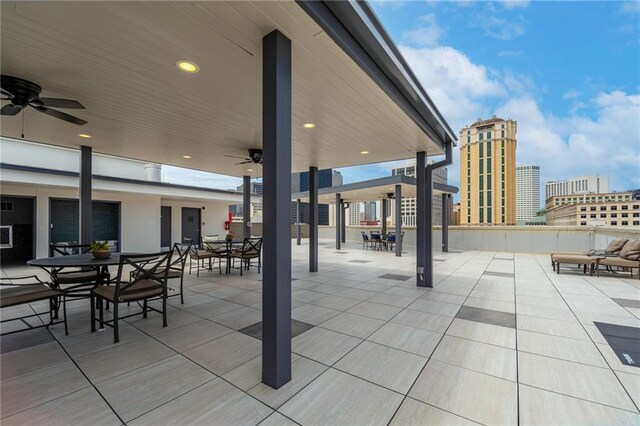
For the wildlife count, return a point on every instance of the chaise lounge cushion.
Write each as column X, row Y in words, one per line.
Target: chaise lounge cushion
column 615, row 246
column 618, row 261
column 631, row 250
column 579, row 259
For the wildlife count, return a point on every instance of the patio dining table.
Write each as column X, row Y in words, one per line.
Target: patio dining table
column 227, row 250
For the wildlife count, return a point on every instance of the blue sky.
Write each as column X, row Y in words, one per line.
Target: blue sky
column 568, row 72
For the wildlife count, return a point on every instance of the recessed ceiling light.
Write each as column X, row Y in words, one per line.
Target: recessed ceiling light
column 84, row 135
column 309, row 125
column 364, row 152
column 186, row 157
column 187, row 66
column 249, row 170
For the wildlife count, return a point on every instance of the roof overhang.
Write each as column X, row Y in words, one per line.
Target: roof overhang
column 118, row 59
column 372, row 190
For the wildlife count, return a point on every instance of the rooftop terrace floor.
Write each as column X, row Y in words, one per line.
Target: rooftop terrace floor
column 501, row 339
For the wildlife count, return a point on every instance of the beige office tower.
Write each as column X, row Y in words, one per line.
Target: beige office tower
column 488, row 172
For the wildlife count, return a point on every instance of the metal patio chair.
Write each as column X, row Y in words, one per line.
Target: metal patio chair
column 251, row 249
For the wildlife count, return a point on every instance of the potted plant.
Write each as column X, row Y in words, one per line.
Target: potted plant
column 100, row 249
column 229, row 237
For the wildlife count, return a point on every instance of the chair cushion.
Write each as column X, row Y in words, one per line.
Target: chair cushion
column 579, row 259
column 202, row 254
column 108, row 291
column 13, row 296
column 618, row 261
column 631, row 250
column 76, row 277
column 615, row 246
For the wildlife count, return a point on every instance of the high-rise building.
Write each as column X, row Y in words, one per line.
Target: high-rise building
column 300, row 183
column 527, row 192
column 336, row 179
column 408, row 207
column 370, row 210
column 488, row 172
column 353, row 214
column 577, row 185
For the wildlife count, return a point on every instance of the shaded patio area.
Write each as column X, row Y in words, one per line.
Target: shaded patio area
column 500, row 339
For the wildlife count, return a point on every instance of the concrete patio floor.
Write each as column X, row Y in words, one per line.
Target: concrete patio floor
column 501, row 339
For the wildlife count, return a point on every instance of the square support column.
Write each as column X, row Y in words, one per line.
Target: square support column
column 246, row 206
column 276, row 145
column 428, row 253
column 313, row 219
column 338, row 218
column 398, row 220
column 85, row 196
column 298, row 226
column 383, row 221
column 445, row 223
column 421, row 225
column 343, row 222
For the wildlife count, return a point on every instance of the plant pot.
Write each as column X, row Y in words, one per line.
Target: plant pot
column 228, row 239
column 101, row 254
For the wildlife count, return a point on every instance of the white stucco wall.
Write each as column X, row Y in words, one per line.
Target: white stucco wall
column 212, row 217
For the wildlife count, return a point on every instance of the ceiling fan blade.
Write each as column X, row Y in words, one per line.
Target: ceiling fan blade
column 244, row 162
column 5, row 93
column 10, row 109
column 235, row 156
column 61, row 103
column 61, row 115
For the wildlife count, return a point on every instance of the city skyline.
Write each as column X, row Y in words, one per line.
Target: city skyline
column 567, row 104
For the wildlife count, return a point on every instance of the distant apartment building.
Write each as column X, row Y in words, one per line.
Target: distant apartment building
column 256, row 208
column 527, row 192
column 300, row 183
column 557, row 201
column 336, row 178
column 577, row 185
column 353, row 214
column 612, row 213
column 488, row 172
column 409, row 203
column 370, row 210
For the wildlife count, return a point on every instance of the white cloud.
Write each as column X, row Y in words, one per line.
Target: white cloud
column 608, row 144
column 488, row 20
column 427, row 34
column 191, row 177
column 630, row 6
column 455, row 84
column 514, row 4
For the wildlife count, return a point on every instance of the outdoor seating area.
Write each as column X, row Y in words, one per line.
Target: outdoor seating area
column 500, row 339
column 379, row 240
column 621, row 255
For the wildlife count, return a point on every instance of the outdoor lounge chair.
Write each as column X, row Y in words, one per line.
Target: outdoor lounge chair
column 29, row 289
column 366, row 241
column 199, row 256
column 251, row 249
column 629, row 257
column 575, row 259
column 148, row 281
column 612, row 250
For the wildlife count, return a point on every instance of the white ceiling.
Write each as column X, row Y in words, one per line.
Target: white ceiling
column 118, row 59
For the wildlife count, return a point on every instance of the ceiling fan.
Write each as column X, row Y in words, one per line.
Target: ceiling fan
column 255, row 157
column 22, row 93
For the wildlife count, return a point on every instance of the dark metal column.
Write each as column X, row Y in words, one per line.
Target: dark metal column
column 445, row 223
column 343, row 221
column 383, row 209
column 398, row 220
column 338, row 224
column 313, row 219
column 298, row 226
column 85, row 195
column 246, row 206
column 428, row 221
column 276, row 145
column 421, row 211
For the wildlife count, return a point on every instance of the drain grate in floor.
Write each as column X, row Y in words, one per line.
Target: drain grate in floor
column 395, row 277
column 624, row 340
column 487, row 316
column 297, row 328
column 500, row 274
